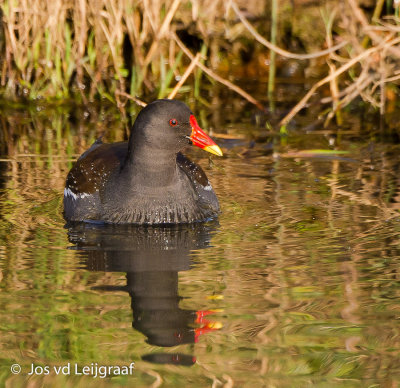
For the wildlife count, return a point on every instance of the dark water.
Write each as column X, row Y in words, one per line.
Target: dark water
column 296, row 285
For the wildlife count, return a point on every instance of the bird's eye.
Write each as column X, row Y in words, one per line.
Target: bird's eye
column 173, row 122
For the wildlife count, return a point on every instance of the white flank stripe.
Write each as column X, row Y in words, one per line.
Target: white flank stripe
column 69, row 193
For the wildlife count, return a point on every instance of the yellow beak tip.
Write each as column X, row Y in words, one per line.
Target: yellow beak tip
column 213, row 149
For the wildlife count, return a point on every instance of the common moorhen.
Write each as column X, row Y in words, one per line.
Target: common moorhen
column 146, row 180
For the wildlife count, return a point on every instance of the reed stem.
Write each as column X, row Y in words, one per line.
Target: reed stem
column 272, row 55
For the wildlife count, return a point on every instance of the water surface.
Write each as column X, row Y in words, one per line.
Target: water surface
column 296, row 285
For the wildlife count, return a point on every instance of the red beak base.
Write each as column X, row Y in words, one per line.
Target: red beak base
column 201, row 140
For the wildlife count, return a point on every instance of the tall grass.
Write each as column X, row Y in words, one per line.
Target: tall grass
column 368, row 68
column 122, row 50
column 106, row 48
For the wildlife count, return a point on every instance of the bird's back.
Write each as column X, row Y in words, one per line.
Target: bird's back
column 86, row 178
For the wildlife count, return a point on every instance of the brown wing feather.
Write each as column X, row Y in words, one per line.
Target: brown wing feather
column 193, row 170
column 93, row 168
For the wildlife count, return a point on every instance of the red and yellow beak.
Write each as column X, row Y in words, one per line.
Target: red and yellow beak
column 200, row 139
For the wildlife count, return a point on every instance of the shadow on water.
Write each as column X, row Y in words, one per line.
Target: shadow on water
column 151, row 258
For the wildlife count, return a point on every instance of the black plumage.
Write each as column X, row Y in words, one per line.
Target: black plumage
column 146, row 180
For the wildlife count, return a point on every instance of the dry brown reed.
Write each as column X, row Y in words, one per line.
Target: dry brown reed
column 124, row 50
column 118, row 49
column 370, row 62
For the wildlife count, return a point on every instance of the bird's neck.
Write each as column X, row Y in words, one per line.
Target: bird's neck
column 151, row 166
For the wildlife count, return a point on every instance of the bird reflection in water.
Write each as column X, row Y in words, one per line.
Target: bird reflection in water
column 151, row 258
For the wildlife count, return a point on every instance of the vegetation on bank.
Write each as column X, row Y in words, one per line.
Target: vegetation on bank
column 123, row 50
